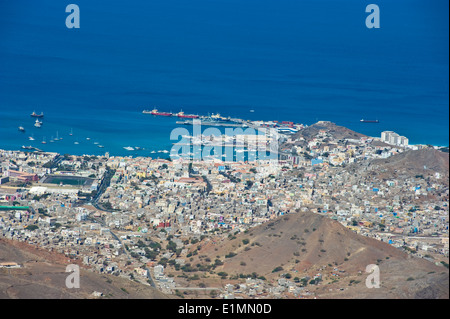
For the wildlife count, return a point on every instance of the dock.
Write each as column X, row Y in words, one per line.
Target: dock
column 206, row 123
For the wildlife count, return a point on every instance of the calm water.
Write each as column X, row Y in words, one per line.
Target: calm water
column 292, row 60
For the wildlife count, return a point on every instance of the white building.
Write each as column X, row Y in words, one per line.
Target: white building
column 393, row 138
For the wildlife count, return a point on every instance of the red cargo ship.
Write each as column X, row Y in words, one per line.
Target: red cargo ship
column 155, row 112
column 187, row 116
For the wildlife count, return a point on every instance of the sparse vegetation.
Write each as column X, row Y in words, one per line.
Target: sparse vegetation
column 277, row 269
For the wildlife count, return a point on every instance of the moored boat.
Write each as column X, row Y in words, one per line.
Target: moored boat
column 156, row 112
column 187, row 116
column 37, row 115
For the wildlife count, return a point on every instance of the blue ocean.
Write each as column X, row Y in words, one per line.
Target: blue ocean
column 287, row 60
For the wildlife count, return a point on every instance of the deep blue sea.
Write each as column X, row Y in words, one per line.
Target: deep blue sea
column 288, row 60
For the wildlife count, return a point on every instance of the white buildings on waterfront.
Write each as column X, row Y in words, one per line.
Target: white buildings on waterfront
column 393, row 138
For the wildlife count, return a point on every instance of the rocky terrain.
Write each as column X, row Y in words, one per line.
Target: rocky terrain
column 306, row 244
column 43, row 276
column 336, row 131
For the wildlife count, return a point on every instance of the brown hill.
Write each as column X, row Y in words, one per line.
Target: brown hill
column 336, row 131
column 43, row 276
column 423, row 161
column 305, row 244
column 409, row 164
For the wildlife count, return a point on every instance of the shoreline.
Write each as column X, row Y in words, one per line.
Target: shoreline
column 168, row 157
column 144, row 150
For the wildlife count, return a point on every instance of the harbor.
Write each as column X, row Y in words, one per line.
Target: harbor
column 212, row 123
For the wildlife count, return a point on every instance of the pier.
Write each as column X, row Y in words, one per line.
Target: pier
column 207, row 123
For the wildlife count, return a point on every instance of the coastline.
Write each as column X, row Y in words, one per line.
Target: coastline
column 128, row 128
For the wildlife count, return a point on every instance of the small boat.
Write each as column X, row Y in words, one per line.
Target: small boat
column 165, row 151
column 31, row 138
column 88, row 138
column 369, row 121
column 129, row 148
column 153, row 152
column 95, row 143
column 37, row 123
column 37, row 115
column 100, row 146
column 21, row 129
column 76, row 143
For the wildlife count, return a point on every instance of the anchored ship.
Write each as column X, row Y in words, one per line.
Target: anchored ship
column 187, row 116
column 155, row 112
column 37, row 115
column 369, row 121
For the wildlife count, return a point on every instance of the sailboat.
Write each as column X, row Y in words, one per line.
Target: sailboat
column 43, row 141
column 71, row 132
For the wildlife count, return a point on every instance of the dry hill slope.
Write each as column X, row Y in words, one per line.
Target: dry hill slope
column 425, row 160
column 305, row 244
column 43, row 276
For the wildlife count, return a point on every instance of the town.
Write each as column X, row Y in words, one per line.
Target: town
column 144, row 218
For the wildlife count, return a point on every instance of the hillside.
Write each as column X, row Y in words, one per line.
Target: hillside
column 305, row 244
column 424, row 161
column 409, row 164
column 43, row 276
column 336, row 131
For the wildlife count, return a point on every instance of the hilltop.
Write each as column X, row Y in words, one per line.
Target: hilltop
column 332, row 131
column 336, row 131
